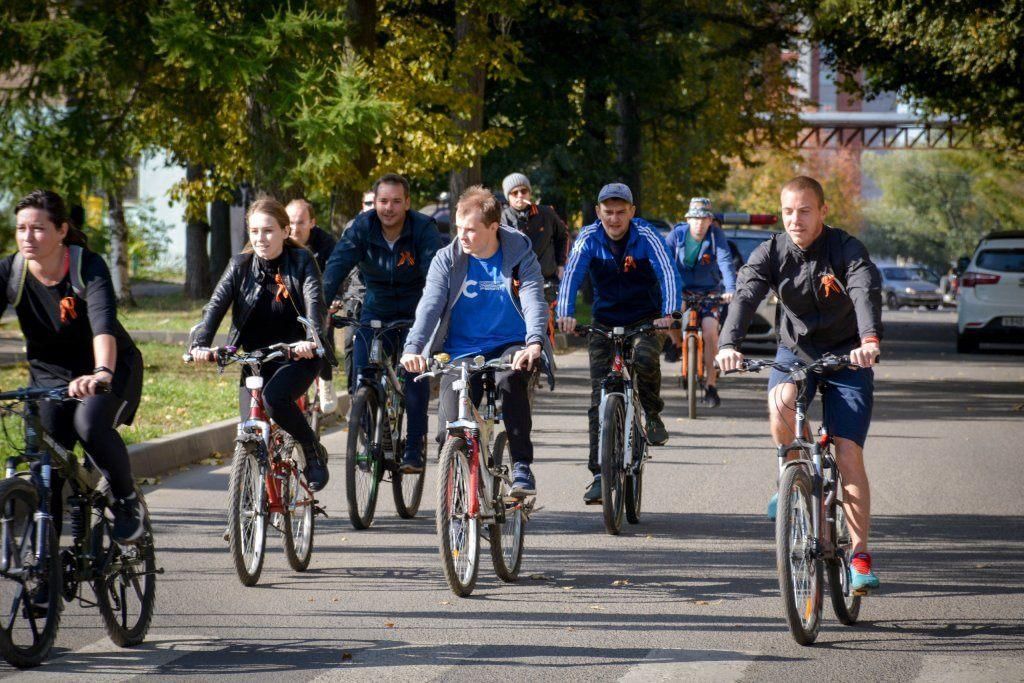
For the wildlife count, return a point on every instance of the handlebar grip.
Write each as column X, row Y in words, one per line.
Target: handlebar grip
column 102, row 387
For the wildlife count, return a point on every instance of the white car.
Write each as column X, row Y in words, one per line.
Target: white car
column 991, row 305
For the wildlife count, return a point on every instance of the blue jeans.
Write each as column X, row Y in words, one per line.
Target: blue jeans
column 417, row 394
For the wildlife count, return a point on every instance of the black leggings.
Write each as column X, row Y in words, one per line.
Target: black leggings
column 283, row 383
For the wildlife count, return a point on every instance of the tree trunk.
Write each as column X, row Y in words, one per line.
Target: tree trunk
column 470, row 26
column 197, row 259
column 119, row 249
column 220, row 238
column 629, row 147
column 362, row 38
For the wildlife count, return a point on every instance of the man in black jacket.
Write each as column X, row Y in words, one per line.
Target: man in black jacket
column 547, row 232
column 830, row 296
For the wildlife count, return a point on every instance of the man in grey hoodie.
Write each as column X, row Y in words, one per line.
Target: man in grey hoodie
column 485, row 296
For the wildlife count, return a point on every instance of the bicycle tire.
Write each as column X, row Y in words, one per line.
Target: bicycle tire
column 611, row 444
column 19, row 501
column 692, row 381
column 247, row 501
column 800, row 575
column 299, row 519
column 362, row 464
column 845, row 605
column 506, row 539
column 634, row 485
column 458, row 535
column 407, row 489
column 123, row 563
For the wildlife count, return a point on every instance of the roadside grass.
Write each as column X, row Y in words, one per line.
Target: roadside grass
column 168, row 312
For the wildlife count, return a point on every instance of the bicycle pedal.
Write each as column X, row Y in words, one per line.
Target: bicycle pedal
column 318, row 510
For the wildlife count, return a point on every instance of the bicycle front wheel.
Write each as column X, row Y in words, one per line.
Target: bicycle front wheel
column 298, row 522
column 844, row 603
column 458, row 533
column 362, row 464
column 611, row 445
column 407, row 489
column 506, row 538
column 692, row 381
column 30, row 590
column 634, row 484
column 800, row 579
column 247, row 514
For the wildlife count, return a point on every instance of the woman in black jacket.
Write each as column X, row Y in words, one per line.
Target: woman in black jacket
column 64, row 299
column 268, row 286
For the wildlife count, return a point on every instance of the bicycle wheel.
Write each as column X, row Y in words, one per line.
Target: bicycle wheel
column 692, row 381
column 247, row 514
column 458, row 533
column 298, row 522
column 407, row 489
column 362, row 464
column 610, row 451
column 125, row 584
column 800, row 579
column 30, row 591
column 845, row 605
column 506, row 539
column 634, row 485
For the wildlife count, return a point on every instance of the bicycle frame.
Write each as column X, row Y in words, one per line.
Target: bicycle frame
column 619, row 376
column 477, row 430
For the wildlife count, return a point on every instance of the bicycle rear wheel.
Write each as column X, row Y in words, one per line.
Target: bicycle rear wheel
column 125, row 586
column 800, row 576
column 407, row 489
column 362, row 462
column 506, row 538
column 844, row 604
column 634, row 484
column 247, row 513
column 299, row 518
column 610, row 450
column 692, row 381
column 30, row 591
column 458, row 533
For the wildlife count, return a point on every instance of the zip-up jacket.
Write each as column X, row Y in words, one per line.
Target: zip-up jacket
column 830, row 294
column 713, row 268
column 321, row 243
column 642, row 285
column 522, row 277
column 547, row 233
column 394, row 278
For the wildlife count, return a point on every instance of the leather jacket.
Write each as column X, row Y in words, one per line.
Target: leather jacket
column 238, row 289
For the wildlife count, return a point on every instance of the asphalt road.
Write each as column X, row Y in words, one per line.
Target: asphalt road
column 689, row 593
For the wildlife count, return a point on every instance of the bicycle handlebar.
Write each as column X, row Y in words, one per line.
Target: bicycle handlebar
column 27, row 394
column 474, row 366
column 347, row 321
column 826, row 362
column 624, row 331
column 226, row 355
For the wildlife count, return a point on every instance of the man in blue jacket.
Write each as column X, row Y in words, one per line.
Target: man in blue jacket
column 634, row 281
column 393, row 248
column 704, row 261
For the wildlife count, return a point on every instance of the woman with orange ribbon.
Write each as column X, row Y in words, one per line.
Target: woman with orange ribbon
column 64, row 299
column 268, row 286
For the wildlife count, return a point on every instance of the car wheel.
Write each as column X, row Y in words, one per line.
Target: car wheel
column 892, row 302
column 933, row 307
column 966, row 343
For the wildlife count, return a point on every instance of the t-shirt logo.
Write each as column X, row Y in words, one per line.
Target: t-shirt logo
column 465, row 289
column 628, row 264
column 406, row 258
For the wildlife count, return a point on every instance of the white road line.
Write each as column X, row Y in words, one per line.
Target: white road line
column 690, row 665
column 425, row 663
column 977, row 669
column 106, row 662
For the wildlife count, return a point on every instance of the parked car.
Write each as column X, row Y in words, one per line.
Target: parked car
column 742, row 242
column 991, row 305
column 909, row 286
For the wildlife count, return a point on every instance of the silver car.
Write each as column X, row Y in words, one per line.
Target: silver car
column 909, row 286
column 742, row 242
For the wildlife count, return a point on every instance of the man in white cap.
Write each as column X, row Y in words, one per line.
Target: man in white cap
column 541, row 224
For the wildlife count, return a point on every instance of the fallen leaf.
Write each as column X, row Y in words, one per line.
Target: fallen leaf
column 621, row 582
column 346, row 657
column 567, row 588
column 983, row 566
column 211, row 461
column 334, row 599
column 389, row 624
column 570, row 628
column 147, row 481
column 1019, row 408
column 446, row 602
column 541, row 577
column 706, row 602
column 598, row 607
column 311, row 599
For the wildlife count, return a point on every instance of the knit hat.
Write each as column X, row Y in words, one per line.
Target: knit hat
column 700, row 207
column 514, row 180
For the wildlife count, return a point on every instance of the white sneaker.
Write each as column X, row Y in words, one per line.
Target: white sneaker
column 328, row 397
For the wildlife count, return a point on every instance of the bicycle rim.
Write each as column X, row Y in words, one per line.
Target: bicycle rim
column 407, row 489
column 692, row 381
column 458, row 533
column 800, row 580
column 362, row 464
column 845, row 605
column 611, row 444
column 506, row 538
column 300, row 520
column 126, row 587
column 247, row 526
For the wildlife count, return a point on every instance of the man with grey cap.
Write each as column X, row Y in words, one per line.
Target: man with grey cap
column 547, row 232
column 634, row 281
column 704, row 261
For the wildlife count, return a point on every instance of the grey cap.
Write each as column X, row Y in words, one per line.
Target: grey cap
column 514, row 180
column 700, row 207
column 615, row 191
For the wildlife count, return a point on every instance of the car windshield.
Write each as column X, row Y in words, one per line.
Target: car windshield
column 1003, row 260
column 903, row 273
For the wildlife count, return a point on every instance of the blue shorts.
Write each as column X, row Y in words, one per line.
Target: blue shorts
column 709, row 309
column 847, row 396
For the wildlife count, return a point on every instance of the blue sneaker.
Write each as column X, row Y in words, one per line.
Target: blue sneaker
column 862, row 579
column 523, row 483
column 412, row 461
column 773, row 506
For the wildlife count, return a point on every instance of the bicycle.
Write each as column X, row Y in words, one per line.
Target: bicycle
column 37, row 575
column 267, row 483
column 474, row 483
column 376, row 438
column 810, row 523
column 551, row 297
column 622, row 446
column 692, row 372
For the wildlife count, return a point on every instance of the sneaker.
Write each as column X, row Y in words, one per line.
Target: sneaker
column 711, row 398
column 523, row 483
column 412, row 461
column 39, row 605
column 673, row 353
column 657, row 435
column 773, row 506
column 593, row 494
column 328, row 397
column 128, row 516
column 862, row 579
column 316, row 467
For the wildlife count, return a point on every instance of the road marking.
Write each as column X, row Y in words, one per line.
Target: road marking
column 103, row 661
column 950, row 669
column 690, row 665
column 409, row 663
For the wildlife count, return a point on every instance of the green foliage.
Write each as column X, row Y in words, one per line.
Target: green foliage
column 147, row 236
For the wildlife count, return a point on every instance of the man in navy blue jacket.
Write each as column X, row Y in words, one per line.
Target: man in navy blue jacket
column 704, row 261
column 393, row 247
column 634, row 281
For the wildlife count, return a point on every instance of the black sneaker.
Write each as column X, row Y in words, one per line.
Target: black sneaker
column 128, row 516
column 593, row 494
column 657, row 435
column 39, row 604
column 523, row 483
column 673, row 353
column 316, row 467
column 412, row 462
column 711, row 398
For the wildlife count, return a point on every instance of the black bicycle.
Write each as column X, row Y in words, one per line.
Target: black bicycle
column 810, row 524
column 36, row 576
column 377, row 432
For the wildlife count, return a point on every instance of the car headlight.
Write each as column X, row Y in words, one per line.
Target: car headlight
column 909, row 290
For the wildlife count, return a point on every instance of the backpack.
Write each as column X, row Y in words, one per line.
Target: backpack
column 16, row 282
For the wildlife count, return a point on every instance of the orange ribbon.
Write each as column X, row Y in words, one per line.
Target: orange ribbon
column 67, row 309
column 828, row 280
column 628, row 264
column 282, row 290
column 406, row 257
